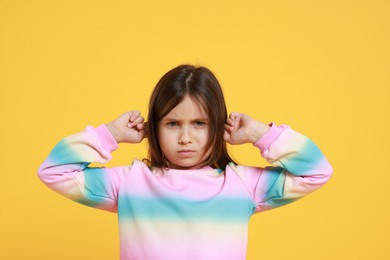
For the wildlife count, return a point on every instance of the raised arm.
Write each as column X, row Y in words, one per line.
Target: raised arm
column 299, row 167
column 66, row 168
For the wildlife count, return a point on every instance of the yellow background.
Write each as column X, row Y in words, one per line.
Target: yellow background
column 320, row 66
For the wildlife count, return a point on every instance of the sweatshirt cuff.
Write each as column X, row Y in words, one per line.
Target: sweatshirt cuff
column 108, row 142
column 269, row 137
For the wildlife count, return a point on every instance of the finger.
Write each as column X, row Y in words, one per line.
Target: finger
column 134, row 118
column 233, row 123
column 234, row 118
column 133, row 115
column 228, row 128
column 229, row 121
column 141, row 126
column 233, row 115
column 138, row 120
column 141, row 135
column 226, row 136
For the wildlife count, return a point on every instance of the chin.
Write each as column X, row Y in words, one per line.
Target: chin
column 186, row 166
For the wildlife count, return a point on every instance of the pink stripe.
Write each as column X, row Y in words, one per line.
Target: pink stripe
column 108, row 142
column 269, row 137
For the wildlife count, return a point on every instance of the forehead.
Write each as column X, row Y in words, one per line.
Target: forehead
column 187, row 108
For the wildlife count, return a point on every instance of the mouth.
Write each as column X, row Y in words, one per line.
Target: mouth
column 186, row 153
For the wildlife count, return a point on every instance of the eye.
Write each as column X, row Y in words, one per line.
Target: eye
column 200, row 123
column 172, row 124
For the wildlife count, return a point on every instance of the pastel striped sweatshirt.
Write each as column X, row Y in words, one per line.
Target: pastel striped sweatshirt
column 184, row 214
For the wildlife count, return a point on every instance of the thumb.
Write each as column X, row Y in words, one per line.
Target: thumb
column 226, row 137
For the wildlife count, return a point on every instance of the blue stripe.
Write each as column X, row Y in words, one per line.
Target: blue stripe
column 217, row 209
column 305, row 161
column 96, row 188
column 274, row 178
column 62, row 153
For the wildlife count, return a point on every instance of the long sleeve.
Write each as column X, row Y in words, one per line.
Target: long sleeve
column 298, row 168
column 66, row 169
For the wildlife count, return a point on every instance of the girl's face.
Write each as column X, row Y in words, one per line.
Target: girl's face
column 183, row 135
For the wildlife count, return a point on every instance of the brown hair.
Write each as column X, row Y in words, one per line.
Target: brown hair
column 201, row 85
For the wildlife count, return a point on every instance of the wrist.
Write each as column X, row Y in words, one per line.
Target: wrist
column 257, row 131
column 114, row 131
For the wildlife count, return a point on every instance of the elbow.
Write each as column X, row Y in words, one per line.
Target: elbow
column 45, row 175
column 324, row 172
column 42, row 175
column 320, row 177
column 328, row 173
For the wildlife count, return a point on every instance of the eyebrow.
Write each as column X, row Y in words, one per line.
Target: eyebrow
column 166, row 119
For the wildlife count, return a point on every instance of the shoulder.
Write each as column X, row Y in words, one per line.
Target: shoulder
column 249, row 175
column 139, row 166
column 246, row 177
column 242, row 170
column 134, row 167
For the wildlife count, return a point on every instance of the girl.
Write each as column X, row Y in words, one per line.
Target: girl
column 188, row 199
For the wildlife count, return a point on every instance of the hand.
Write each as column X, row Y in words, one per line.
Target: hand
column 128, row 127
column 241, row 129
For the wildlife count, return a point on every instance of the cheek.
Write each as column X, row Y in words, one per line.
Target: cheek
column 207, row 153
column 160, row 135
column 203, row 137
column 166, row 139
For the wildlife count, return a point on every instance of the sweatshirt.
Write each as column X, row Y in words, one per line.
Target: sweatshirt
column 184, row 214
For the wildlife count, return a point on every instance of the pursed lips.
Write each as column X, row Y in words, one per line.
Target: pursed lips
column 186, row 152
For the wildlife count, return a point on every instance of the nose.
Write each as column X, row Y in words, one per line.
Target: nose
column 185, row 136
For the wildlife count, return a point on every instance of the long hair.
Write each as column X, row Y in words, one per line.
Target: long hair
column 202, row 86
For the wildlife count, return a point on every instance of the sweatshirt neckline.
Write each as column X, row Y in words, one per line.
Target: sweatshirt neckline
column 208, row 170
